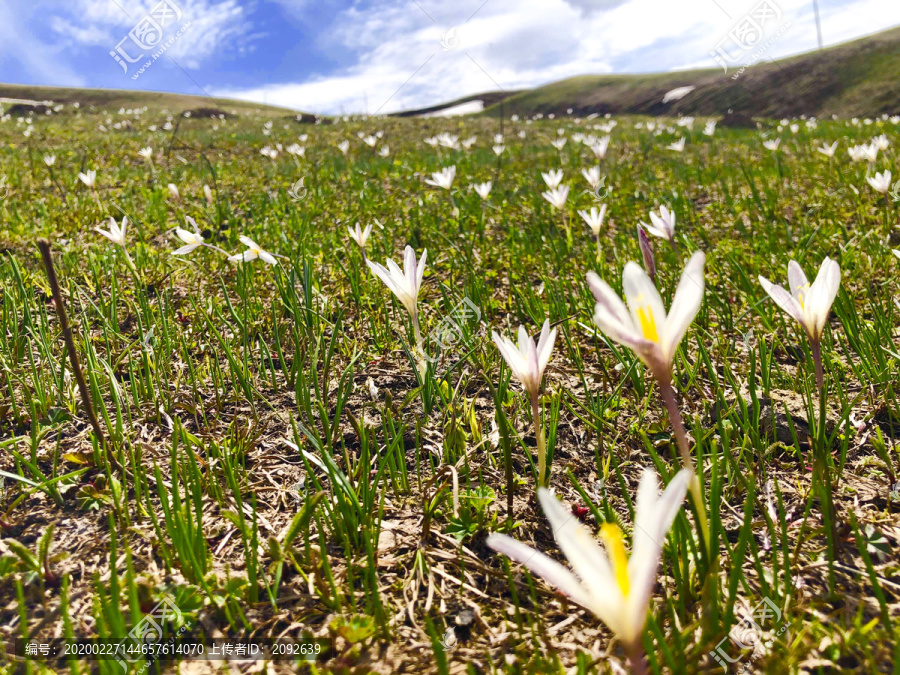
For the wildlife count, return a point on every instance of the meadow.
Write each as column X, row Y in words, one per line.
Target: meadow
column 279, row 438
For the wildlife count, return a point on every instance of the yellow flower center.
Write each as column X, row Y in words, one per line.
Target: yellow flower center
column 615, row 549
column 801, row 292
column 648, row 322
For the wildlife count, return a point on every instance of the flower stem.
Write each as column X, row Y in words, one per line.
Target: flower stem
column 635, row 652
column 821, row 473
column 481, row 232
column 541, row 447
column 60, row 307
column 668, row 395
column 419, row 344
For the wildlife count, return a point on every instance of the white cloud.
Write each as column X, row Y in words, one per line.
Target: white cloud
column 509, row 44
column 402, row 63
column 215, row 25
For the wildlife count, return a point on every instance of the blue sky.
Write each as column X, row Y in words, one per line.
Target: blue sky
column 371, row 55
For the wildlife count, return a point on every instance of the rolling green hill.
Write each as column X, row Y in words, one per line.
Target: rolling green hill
column 855, row 78
column 108, row 99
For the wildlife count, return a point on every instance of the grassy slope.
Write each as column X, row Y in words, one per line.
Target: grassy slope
column 127, row 98
column 855, row 78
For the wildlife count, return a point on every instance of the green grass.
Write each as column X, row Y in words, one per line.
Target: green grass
column 273, row 461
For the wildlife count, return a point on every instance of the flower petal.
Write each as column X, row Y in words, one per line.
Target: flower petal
column 653, row 518
column 643, row 301
column 685, row 304
column 585, row 555
column 612, row 317
column 542, row 565
column 545, row 347
column 822, row 293
column 420, row 270
column 512, row 356
column 409, row 266
column 186, row 236
column 391, row 281
column 782, row 298
column 796, row 278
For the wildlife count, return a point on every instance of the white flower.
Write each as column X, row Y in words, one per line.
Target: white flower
column 271, row 153
column 828, row 150
column 253, row 252
column 448, row 141
column 146, row 153
column 677, row 146
column 881, row 142
column 710, row 128
column 296, row 150
column 403, row 284
column 498, row 138
column 880, row 182
column 115, row 234
column 772, row 144
column 483, row 189
column 89, row 178
column 663, row 224
column 384, row 151
column 807, row 303
column 606, row 581
column 443, row 178
column 173, row 191
column 469, row 142
column 498, row 149
column 49, row 160
column 592, row 176
column 557, row 196
column 600, row 147
column 594, row 219
column 553, row 178
column 359, row 235
column 528, row 360
column 643, row 326
column 559, row 143
column 191, row 239
column 863, row 153
column 344, row 146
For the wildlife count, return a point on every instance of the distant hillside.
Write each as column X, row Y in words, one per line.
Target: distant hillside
column 113, row 99
column 855, row 78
